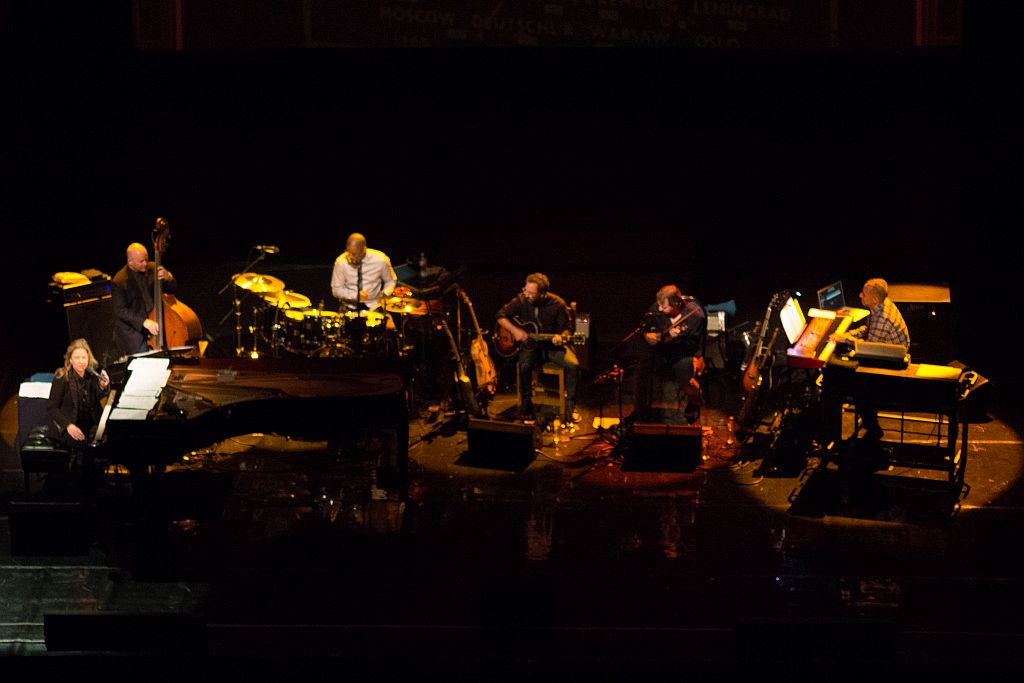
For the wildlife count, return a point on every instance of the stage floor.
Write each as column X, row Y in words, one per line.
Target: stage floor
column 576, row 555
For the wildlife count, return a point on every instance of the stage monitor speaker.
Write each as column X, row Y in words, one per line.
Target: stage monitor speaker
column 50, row 528
column 124, row 632
column 663, row 447
column 502, row 440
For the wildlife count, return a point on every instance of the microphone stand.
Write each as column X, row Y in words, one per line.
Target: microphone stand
column 237, row 305
column 613, row 375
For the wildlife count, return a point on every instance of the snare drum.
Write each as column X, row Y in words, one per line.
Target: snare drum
column 332, row 325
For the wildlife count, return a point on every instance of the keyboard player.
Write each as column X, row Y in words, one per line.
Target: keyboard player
column 885, row 325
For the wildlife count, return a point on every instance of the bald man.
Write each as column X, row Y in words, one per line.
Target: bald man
column 132, row 293
column 362, row 276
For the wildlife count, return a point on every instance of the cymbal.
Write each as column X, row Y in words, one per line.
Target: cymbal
column 287, row 299
column 405, row 305
column 255, row 282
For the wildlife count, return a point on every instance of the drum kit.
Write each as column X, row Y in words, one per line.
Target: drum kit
column 288, row 323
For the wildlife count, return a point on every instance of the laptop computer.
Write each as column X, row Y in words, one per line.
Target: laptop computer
column 831, row 297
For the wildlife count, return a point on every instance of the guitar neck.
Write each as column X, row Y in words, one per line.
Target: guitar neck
column 472, row 313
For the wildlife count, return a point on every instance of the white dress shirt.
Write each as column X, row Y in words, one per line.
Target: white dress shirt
column 374, row 275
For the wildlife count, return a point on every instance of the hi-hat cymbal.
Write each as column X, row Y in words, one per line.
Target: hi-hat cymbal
column 255, row 282
column 287, row 299
column 405, row 305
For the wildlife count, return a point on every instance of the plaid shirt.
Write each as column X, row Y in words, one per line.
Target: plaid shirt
column 885, row 325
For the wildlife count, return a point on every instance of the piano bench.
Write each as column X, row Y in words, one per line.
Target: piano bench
column 42, row 455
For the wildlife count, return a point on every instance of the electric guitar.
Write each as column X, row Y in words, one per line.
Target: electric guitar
column 757, row 363
column 506, row 345
column 486, row 373
column 761, row 352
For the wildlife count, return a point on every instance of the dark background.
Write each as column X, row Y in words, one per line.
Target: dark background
column 735, row 173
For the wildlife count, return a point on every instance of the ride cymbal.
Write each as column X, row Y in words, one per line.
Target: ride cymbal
column 258, row 283
column 287, row 299
column 405, row 305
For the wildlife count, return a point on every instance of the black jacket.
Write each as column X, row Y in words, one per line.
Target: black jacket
column 690, row 343
column 66, row 396
column 549, row 313
column 132, row 306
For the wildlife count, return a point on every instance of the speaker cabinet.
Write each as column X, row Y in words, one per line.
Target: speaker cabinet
column 492, row 440
column 928, row 311
column 90, row 313
column 663, row 447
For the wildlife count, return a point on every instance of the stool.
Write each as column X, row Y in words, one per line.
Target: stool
column 542, row 393
column 41, row 455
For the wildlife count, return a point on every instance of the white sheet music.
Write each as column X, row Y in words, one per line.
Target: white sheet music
column 142, row 390
column 137, row 402
column 128, row 414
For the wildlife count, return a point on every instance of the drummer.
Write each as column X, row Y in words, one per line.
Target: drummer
column 362, row 277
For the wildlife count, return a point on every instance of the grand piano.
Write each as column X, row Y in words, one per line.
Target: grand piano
column 207, row 400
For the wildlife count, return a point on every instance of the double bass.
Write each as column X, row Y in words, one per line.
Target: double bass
column 179, row 325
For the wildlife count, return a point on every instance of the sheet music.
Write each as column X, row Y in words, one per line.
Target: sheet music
column 142, row 390
column 128, row 414
column 137, row 402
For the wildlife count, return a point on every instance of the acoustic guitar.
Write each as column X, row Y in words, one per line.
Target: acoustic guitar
column 486, row 373
column 506, row 345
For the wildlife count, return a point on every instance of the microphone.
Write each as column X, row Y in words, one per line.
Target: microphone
column 92, row 371
column 268, row 248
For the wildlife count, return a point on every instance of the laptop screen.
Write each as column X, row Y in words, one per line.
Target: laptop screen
column 831, row 298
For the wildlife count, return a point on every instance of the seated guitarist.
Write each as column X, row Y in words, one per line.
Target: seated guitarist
column 538, row 311
column 673, row 358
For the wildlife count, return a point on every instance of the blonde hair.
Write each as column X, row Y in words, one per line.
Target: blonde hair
column 72, row 347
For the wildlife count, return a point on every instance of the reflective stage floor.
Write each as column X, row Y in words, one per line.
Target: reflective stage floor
column 571, row 557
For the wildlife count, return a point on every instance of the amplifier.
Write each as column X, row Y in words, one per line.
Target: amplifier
column 663, row 447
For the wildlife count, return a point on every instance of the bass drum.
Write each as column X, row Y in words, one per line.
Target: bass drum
column 300, row 332
column 365, row 332
column 334, row 350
